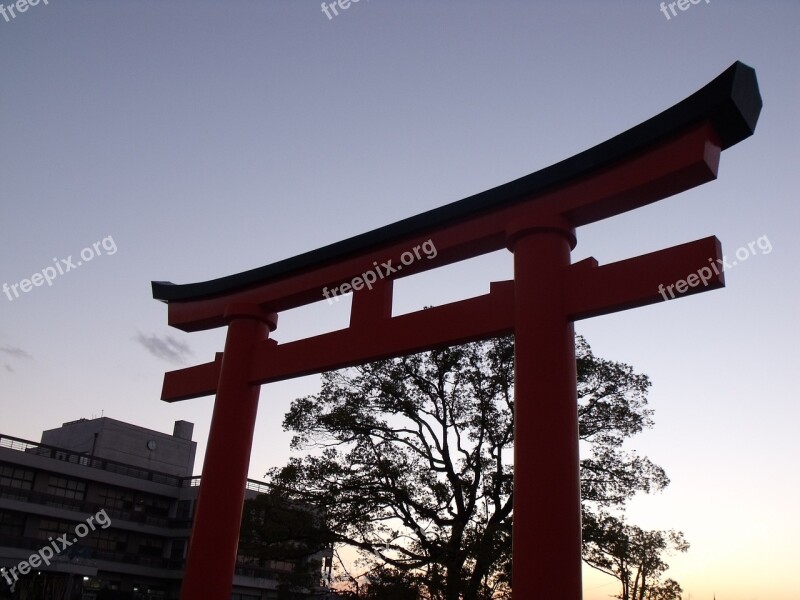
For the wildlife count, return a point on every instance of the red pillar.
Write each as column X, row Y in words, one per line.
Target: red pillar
column 547, row 517
column 218, row 517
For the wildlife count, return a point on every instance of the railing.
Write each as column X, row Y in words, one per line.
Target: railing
column 257, row 486
column 68, row 456
column 112, row 466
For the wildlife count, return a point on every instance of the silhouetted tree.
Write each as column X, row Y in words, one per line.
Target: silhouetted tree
column 413, row 460
column 633, row 556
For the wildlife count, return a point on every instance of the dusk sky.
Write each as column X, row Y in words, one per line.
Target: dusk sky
column 186, row 140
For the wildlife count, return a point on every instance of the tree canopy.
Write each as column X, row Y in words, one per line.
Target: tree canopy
column 632, row 555
column 411, row 460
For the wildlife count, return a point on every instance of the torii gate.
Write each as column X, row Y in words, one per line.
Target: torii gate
column 535, row 218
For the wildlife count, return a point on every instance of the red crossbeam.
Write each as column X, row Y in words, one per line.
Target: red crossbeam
column 592, row 290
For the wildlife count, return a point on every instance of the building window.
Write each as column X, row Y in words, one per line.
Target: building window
column 107, row 540
column 245, row 560
column 63, row 487
column 104, row 540
column 115, row 499
column 177, row 549
column 184, row 511
column 281, row 565
column 12, row 524
column 97, row 584
column 149, row 592
column 16, row 478
column 152, row 505
column 152, row 547
column 53, row 528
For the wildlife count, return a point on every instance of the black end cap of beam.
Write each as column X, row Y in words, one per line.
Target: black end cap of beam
column 735, row 120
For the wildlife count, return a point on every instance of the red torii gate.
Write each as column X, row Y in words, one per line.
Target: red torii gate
column 535, row 217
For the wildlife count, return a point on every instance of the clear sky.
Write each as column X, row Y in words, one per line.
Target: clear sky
column 195, row 139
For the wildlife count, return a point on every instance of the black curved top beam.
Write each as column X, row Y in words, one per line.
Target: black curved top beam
column 731, row 102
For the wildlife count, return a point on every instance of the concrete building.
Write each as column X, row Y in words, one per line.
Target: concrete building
column 124, row 496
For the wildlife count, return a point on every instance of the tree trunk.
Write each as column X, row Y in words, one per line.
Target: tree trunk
column 482, row 563
column 453, row 580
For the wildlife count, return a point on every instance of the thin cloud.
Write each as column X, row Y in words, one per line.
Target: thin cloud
column 15, row 352
column 164, row 347
column 9, row 368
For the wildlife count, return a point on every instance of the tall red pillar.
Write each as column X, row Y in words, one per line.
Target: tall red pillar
column 214, row 542
column 547, row 505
